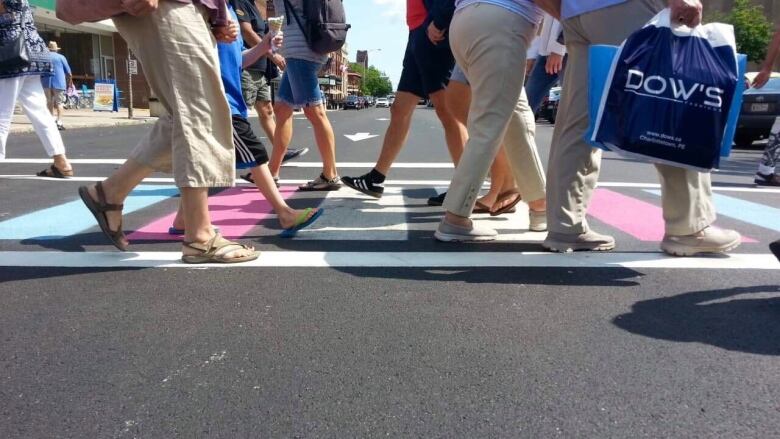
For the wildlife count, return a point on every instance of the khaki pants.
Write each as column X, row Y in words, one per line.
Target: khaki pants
column 194, row 140
column 573, row 168
column 489, row 44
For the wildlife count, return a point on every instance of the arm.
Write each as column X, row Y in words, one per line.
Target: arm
column 80, row 11
column 687, row 12
column 442, row 12
column 251, row 38
column 769, row 61
column 68, row 72
column 552, row 43
column 250, row 56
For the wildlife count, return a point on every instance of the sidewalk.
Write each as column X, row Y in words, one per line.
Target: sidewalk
column 87, row 119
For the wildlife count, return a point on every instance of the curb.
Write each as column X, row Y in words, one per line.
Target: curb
column 27, row 128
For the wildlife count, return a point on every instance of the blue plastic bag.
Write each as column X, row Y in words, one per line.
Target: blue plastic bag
column 667, row 95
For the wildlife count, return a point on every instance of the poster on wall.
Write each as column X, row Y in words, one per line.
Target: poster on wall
column 105, row 96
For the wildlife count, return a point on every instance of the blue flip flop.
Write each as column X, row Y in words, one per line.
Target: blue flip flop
column 301, row 222
column 180, row 232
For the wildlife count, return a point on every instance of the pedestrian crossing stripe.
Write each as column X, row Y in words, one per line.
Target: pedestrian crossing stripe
column 420, row 260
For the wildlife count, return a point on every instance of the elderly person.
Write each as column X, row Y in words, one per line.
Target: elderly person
column 489, row 39
column 23, row 83
column 573, row 168
column 175, row 41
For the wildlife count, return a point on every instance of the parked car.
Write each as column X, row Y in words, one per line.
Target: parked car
column 549, row 108
column 760, row 107
column 352, row 102
column 382, row 103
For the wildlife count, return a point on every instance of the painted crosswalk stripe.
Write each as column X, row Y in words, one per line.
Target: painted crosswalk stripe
column 72, row 217
column 394, row 259
column 746, row 211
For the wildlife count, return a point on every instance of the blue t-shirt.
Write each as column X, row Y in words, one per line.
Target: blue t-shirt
column 524, row 8
column 573, row 8
column 230, row 61
column 60, row 69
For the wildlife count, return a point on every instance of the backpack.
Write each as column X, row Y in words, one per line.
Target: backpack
column 326, row 24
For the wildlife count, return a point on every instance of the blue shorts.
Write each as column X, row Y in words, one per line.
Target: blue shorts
column 300, row 85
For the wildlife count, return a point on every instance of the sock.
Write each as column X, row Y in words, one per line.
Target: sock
column 376, row 176
column 766, row 170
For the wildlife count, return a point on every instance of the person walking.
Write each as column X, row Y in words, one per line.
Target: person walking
column 55, row 84
column 426, row 70
column 300, row 88
column 549, row 63
column 256, row 79
column 489, row 40
column 574, row 165
column 768, row 174
column 23, row 83
column 175, row 42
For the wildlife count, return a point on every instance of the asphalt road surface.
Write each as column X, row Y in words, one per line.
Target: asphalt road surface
column 363, row 325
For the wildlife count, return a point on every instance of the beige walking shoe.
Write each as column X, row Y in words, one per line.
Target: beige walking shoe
column 710, row 240
column 588, row 241
column 537, row 221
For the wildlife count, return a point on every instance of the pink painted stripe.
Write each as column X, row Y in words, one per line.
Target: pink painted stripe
column 235, row 211
column 638, row 218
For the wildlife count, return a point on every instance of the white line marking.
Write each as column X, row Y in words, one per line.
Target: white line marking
column 394, row 259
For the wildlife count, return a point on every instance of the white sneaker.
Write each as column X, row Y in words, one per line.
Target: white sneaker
column 447, row 232
column 710, row 240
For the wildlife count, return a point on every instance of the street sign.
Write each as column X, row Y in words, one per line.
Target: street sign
column 132, row 66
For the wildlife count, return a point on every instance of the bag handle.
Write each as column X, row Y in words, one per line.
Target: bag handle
column 288, row 9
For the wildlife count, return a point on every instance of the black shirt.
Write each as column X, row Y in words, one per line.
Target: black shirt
column 247, row 13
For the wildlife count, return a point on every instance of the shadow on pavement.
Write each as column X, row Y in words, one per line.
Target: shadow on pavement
column 38, row 273
column 714, row 317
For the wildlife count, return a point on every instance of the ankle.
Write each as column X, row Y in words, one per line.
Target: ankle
column 538, row 205
column 376, row 176
column 457, row 220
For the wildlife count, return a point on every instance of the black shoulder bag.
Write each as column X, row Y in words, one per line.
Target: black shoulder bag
column 14, row 54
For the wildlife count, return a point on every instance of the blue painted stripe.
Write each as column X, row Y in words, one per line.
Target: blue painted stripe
column 71, row 218
column 745, row 211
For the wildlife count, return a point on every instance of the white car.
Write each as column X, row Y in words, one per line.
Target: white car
column 382, row 102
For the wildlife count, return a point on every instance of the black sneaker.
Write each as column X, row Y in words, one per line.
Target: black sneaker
column 60, row 126
column 767, row 179
column 775, row 247
column 294, row 153
column 364, row 184
column 438, row 200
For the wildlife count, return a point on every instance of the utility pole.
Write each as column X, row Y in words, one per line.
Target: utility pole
column 132, row 68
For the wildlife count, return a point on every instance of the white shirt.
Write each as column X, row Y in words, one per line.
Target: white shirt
column 548, row 37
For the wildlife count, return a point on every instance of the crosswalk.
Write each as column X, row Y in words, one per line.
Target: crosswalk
column 400, row 217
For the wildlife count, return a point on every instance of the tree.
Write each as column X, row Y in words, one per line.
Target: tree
column 374, row 82
column 751, row 27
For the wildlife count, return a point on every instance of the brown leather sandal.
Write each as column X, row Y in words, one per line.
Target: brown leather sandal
column 99, row 209
column 55, row 172
column 512, row 195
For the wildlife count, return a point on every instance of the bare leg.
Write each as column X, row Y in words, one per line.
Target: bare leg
column 455, row 133
column 326, row 141
column 398, row 131
column 282, row 136
column 265, row 111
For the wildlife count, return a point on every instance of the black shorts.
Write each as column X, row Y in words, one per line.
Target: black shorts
column 250, row 151
column 427, row 66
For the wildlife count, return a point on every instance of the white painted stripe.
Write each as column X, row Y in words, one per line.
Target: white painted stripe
column 395, row 259
column 292, row 164
column 440, row 184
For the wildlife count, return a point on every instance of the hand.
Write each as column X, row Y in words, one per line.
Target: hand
column 554, row 64
column 279, row 61
column 687, row 12
column 762, row 78
column 139, row 8
column 226, row 34
column 434, row 34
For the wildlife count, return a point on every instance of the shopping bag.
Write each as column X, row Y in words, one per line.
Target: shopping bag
column 668, row 94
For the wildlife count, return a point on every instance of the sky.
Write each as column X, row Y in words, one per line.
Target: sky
column 378, row 24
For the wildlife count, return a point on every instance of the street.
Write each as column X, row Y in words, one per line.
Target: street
column 364, row 325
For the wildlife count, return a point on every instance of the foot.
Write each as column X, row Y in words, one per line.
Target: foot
column 588, row 241
column 60, row 126
column 114, row 218
column 767, row 179
column 365, row 184
column 322, row 183
column 448, row 232
column 537, row 220
column 775, row 248
column 710, row 240
column 290, row 216
column 437, row 200
column 294, row 153
column 225, row 251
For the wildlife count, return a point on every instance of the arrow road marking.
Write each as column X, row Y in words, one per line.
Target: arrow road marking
column 357, row 137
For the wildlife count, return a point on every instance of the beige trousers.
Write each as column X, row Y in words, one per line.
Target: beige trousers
column 194, row 140
column 490, row 43
column 573, row 169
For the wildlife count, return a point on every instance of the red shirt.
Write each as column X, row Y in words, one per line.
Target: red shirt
column 415, row 13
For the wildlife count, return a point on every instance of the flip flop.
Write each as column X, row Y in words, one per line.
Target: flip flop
column 301, row 222
column 54, row 172
column 509, row 208
column 99, row 209
column 479, row 207
column 180, row 232
column 214, row 251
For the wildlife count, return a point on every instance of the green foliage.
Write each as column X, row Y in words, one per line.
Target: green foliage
column 375, row 83
column 751, row 27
